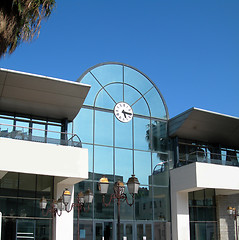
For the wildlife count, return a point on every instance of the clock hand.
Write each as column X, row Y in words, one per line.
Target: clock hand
column 126, row 113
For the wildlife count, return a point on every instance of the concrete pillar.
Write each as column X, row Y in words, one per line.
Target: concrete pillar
column 63, row 225
column 180, row 216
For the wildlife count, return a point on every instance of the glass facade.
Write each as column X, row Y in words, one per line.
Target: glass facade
column 118, row 149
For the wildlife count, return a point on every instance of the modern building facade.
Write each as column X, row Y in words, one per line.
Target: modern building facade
column 113, row 122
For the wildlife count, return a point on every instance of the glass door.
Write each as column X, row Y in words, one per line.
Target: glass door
column 25, row 229
column 103, row 231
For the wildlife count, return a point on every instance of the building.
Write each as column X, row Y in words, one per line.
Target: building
column 57, row 134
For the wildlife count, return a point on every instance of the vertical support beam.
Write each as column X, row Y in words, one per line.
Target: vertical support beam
column 180, row 216
column 64, row 224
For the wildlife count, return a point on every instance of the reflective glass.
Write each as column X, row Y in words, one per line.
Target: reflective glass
column 83, row 125
column 126, row 211
column 101, row 211
column 148, row 230
column 105, row 100
column 123, row 164
column 103, row 161
column 108, row 73
column 6, row 126
column 129, row 231
column 137, row 80
column 131, row 95
column 140, row 231
column 43, row 229
column 85, row 229
column 160, row 171
column 156, row 104
column 9, row 184
column 27, row 185
column 144, row 204
column 98, row 231
column 116, row 91
column 82, row 187
column 21, row 131
column 26, row 207
column 161, row 203
column 162, row 230
column 53, row 134
column 103, row 128
column 38, row 132
column 142, row 166
column 141, row 133
column 44, row 186
column 8, row 206
column 123, row 134
column 95, row 87
column 140, row 107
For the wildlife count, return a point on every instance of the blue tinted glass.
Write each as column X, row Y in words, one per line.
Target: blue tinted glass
column 130, row 95
column 136, row 79
column 108, row 73
column 123, row 164
column 95, row 87
column 103, row 161
column 116, row 91
column 104, row 128
column 141, row 127
column 105, row 100
column 141, row 107
column 83, row 125
column 156, row 104
column 123, row 134
column 142, row 166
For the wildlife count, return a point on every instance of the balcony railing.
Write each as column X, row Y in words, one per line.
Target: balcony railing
column 208, row 157
column 39, row 135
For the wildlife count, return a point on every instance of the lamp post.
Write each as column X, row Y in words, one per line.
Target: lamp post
column 63, row 202
column 119, row 195
column 233, row 212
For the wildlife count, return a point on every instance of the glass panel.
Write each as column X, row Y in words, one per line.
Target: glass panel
column 144, row 204
column 90, row 159
column 103, row 128
column 95, row 87
column 210, row 197
column 6, row 129
column 156, row 104
column 162, row 230
column 140, row 231
column 21, row 131
column 44, row 187
column 148, row 231
column 26, row 207
column 200, row 231
column 108, row 231
column 8, row 206
column 161, row 203
column 25, row 229
column 39, row 135
column 82, row 187
column 108, row 73
column 199, row 197
column 9, row 229
column 43, row 229
column 126, row 212
column 123, row 134
column 140, row 107
column 137, row 80
column 129, row 232
column 85, row 230
column 104, row 100
column 123, row 164
column 160, row 172
column 9, row 184
column 103, row 161
column 116, row 91
column 83, row 125
column 27, row 185
column 102, row 212
column 142, row 166
column 53, row 134
column 141, row 133
column 131, row 95
column 98, row 231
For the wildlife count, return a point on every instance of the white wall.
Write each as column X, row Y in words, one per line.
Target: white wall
column 194, row 177
column 45, row 159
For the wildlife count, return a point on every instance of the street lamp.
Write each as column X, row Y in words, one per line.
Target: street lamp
column 119, row 195
column 233, row 212
column 63, row 202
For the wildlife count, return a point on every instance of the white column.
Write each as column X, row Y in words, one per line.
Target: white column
column 180, row 216
column 64, row 224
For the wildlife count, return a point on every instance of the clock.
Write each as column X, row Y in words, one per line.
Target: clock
column 123, row 112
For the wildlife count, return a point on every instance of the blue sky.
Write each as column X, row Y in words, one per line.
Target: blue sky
column 190, row 49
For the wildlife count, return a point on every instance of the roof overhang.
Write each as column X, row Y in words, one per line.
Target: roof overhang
column 40, row 96
column 206, row 126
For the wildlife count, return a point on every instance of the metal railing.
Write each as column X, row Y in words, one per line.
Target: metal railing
column 39, row 135
column 208, row 157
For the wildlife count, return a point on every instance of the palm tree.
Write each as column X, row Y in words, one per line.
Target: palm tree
column 20, row 21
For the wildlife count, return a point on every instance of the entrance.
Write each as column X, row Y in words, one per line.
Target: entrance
column 130, row 230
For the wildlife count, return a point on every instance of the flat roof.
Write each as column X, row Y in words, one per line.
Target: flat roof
column 40, row 96
column 206, row 126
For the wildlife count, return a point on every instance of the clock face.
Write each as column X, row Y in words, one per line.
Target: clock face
column 123, row 112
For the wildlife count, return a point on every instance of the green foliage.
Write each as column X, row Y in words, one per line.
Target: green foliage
column 20, row 20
